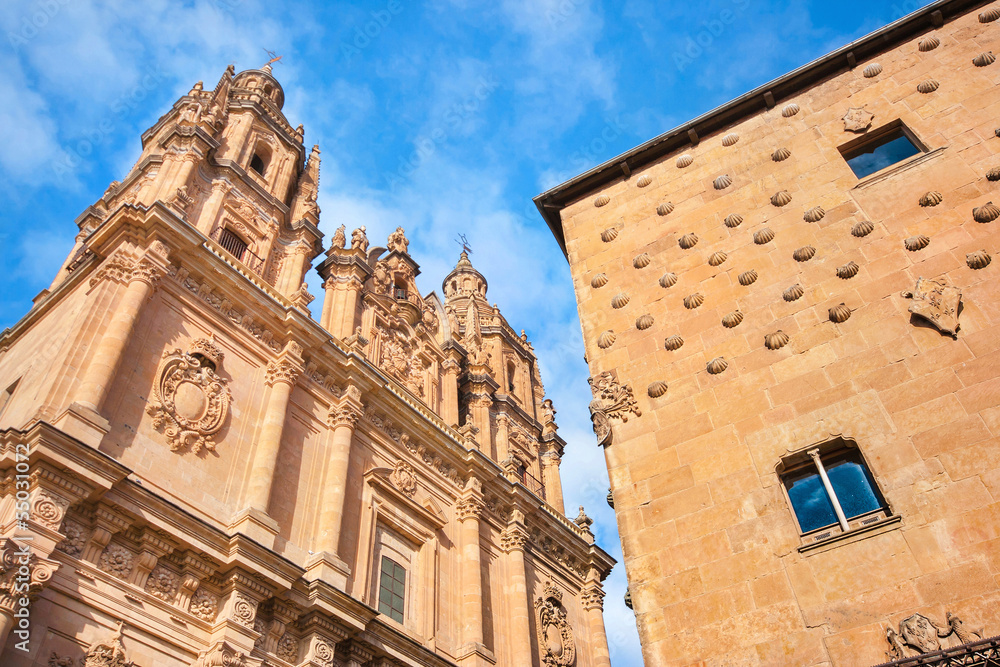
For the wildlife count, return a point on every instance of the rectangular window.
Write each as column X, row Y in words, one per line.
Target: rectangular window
column 233, row 243
column 392, row 589
column 881, row 148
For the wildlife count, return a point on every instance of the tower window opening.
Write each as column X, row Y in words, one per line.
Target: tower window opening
column 511, row 372
column 233, row 243
column 257, row 164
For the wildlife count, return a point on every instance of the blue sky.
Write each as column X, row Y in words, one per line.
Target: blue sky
column 444, row 117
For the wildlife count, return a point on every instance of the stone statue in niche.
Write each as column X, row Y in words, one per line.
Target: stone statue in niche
column 556, row 645
column 937, row 302
column 858, row 119
column 918, row 635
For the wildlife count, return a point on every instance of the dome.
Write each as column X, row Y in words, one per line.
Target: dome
column 263, row 81
column 464, row 280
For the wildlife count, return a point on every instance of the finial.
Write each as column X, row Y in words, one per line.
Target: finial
column 273, row 59
column 463, row 241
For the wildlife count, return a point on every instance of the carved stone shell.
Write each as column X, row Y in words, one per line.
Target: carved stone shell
column 804, row 254
column 840, row 314
column 642, row 261
column 915, row 243
column 815, row 214
column 978, row 260
column 848, row 270
column 657, row 389
column 776, row 340
column 598, row 281
column 781, row 154
column 684, row 161
column 717, row 258
column 763, row 236
column 688, row 241
column 692, row 301
column 781, row 198
column 664, row 208
column 668, row 279
column 643, row 322
column 717, row 365
column 609, row 235
column 872, row 71
column 988, row 212
column 722, row 182
column 984, row 59
column 928, row 86
column 931, row 199
column 748, row 278
column 730, row 139
column 606, row 339
column 990, row 15
column 792, row 293
column 602, row 200
column 734, row 220
column 928, row 43
column 994, row 173
column 643, row 181
column 673, row 343
column 790, row 110
column 619, row 300
column 862, row 228
column 732, row 319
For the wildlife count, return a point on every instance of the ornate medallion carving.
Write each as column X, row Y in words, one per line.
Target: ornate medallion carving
column 117, row 561
column 611, row 401
column 556, row 644
column 937, row 302
column 919, row 634
column 404, row 478
column 858, row 119
column 190, row 401
column 244, row 610
column 204, row 605
column 162, row 584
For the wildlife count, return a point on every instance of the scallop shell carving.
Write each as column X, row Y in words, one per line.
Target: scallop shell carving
column 978, row 260
column 609, row 235
column 790, row 110
column 928, row 86
column 643, row 181
column 990, row 15
column 815, row 214
column 781, row 154
column 734, row 220
column 862, row 228
column 915, row 243
column 732, row 319
column 804, row 254
column 722, row 182
column 642, row 261
column 763, row 236
column 776, row 340
column 848, row 270
column 931, row 199
column 872, row 71
column 598, row 281
column 717, row 365
column 606, row 339
column 668, row 280
column 840, row 314
column 717, row 258
column 928, row 44
column 688, row 241
column 781, row 198
column 602, row 200
column 665, row 208
column 748, row 278
column 693, row 301
column 657, row 389
column 984, row 59
column 988, row 212
column 993, row 174
column 684, row 161
column 793, row 293
column 619, row 300
column 643, row 322
column 730, row 139
column 673, row 343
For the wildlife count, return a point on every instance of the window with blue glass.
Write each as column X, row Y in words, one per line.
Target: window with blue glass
column 392, row 589
column 881, row 148
column 832, row 489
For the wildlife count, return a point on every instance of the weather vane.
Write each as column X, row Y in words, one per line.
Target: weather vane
column 464, row 242
column 274, row 57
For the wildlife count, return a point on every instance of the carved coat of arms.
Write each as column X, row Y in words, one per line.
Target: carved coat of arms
column 937, row 302
column 919, row 634
column 858, row 119
column 556, row 644
column 611, row 401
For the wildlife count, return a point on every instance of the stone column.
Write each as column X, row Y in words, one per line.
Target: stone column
column 293, row 269
column 93, row 389
column 449, row 392
column 331, row 303
column 343, row 419
column 479, row 408
column 593, row 605
column 349, row 317
column 468, row 511
column 503, row 435
column 513, row 540
column 550, row 461
column 210, row 211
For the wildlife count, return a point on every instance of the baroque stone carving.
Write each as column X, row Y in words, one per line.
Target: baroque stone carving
column 162, row 584
column 288, row 648
column 190, row 400
column 612, row 401
column 557, row 647
column 918, row 635
column 108, row 653
column 76, row 538
column 244, row 610
column 937, row 302
column 117, row 561
column 404, row 478
column 204, row 605
column 858, row 119
column 359, row 240
column 49, row 510
column 397, row 241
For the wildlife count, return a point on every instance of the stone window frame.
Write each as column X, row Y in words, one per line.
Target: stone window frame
column 924, row 153
column 858, row 527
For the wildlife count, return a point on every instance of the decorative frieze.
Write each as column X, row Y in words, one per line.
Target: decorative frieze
column 117, row 561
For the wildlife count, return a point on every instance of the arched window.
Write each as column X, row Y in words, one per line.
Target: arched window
column 511, row 375
column 261, row 158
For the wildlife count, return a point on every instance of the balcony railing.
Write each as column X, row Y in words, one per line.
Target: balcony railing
column 533, row 484
column 237, row 247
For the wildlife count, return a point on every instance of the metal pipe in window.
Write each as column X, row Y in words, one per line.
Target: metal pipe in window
column 814, row 453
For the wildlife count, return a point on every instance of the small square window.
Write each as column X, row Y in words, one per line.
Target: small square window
column 881, row 148
column 392, row 589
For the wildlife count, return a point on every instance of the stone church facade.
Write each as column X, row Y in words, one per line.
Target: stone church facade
column 195, row 471
column 791, row 313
